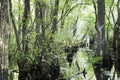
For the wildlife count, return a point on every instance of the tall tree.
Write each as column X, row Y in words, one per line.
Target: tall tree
column 105, row 62
column 116, row 42
column 55, row 16
column 4, row 28
column 40, row 21
column 25, row 22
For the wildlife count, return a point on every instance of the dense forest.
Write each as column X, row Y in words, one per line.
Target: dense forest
column 59, row 39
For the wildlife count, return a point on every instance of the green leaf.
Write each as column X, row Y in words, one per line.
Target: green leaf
column 96, row 59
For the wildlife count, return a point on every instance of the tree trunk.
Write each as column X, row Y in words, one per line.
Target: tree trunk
column 105, row 64
column 55, row 17
column 23, row 73
column 116, row 42
column 40, row 21
column 4, row 27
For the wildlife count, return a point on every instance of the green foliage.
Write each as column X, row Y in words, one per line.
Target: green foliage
column 96, row 59
column 49, row 46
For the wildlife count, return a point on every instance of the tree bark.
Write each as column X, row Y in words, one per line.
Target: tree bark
column 55, row 17
column 116, row 42
column 23, row 73
column 40, row 21
column 105, row 64
column 4, row 32
column 25, row 22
